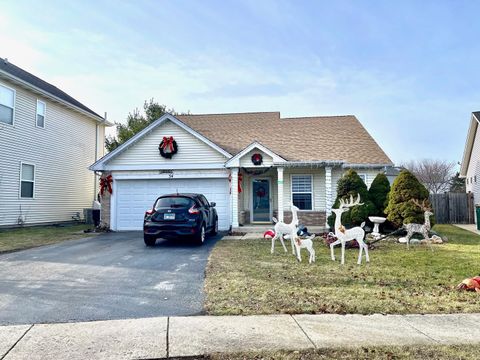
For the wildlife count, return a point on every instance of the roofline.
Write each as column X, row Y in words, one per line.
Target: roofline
column 47, row 94
column 367, row 165
column 276, row 158
column 321, row 163
column 235, row 113
column 99, row 165
column 470, row 140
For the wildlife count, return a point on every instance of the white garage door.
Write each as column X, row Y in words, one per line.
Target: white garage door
column 134, row 197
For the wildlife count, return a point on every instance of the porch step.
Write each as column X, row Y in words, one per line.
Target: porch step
column 260, row 229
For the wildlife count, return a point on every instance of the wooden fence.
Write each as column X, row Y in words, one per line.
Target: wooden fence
column 453, row 208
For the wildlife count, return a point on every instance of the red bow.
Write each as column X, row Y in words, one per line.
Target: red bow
column 106, row 183
column 167, row 144
column 240, row 179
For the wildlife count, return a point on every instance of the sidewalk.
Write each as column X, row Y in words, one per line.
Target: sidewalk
column 162, row 337
column 469, row 227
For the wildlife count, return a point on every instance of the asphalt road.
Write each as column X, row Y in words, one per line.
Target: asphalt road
column 110, row 276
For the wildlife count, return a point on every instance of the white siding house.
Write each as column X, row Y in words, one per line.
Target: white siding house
column 47, row 142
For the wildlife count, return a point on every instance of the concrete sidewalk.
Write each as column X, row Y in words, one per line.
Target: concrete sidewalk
column 152, row 338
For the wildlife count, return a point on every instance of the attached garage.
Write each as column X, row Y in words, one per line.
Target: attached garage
column 135, row 196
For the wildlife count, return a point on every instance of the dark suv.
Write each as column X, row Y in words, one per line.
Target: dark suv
column 177, row 215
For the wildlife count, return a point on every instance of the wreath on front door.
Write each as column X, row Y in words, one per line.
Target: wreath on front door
column 168, row 147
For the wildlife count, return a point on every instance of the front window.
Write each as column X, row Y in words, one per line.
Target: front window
column 7, row 105
column 302, row 191
column 363, row 177
column 41, row 107
column 27, row 181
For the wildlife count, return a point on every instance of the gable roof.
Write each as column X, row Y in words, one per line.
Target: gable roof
column 235, row 161
column 13, row 71
column 332, row 138
column 470, row 141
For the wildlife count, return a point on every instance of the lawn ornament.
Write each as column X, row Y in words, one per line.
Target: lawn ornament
column 344, row 235
column 269, row 234
column 305, row 243
column 424, row 228
column 286, row 229
column 472, row 284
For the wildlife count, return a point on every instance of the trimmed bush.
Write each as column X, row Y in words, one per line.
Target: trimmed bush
column 400, row 208
column 352, row 184
column 378, row 194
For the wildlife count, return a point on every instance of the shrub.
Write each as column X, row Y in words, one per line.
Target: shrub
column 352, row 184
column 378, row 194
column 400, row 208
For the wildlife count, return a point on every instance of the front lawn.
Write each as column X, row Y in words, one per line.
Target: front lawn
column 242, row 277
column 28, row 237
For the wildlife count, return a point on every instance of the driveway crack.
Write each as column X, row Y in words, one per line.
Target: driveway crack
column 168, row 328
column 420, row 331
column 308, row 337
column 16, row 342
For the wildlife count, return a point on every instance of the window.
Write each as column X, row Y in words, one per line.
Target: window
column 302, row 191
column 7, row 105
column 363, row 177
column 41, row 107
column 27, row 180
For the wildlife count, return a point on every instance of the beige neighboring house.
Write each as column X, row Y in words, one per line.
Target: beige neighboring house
column 301, row 162
column 47, row 141
column 470, row 168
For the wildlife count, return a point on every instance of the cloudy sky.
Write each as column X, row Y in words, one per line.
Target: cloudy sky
column 409, row 70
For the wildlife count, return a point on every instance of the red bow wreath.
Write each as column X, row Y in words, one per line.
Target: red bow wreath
column 168, row 147
column 106, row 184
column 240, row 179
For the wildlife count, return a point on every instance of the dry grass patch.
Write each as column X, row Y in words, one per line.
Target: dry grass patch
column 244, row 278
column 29, row 237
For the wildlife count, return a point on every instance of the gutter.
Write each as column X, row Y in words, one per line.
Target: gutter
column 315, row 163
column 47, row 94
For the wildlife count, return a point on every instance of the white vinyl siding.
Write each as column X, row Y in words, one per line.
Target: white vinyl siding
column 474, row 169
column 40, row 117
column 302, row 191
column 62, row 153
column 246, row 160
column 191, row 150
column 27, row 180
column 7, row 104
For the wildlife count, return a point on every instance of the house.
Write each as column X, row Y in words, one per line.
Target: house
column 470, row 167
column 252, row 165
column 47, row 141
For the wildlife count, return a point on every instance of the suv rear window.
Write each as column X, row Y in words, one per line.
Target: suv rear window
column 174, row 202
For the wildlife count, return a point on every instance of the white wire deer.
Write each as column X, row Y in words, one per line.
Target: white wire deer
column 424, row 228
column 343, row 235
column 282, row 228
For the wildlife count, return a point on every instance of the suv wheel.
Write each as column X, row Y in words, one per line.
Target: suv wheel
column 215, row 228
column 149, row 240
column 200, row 238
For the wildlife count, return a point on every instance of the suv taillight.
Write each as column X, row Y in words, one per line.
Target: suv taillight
column 149, row 212
column 193, row 210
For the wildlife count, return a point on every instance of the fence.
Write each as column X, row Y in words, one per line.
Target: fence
column 453, row 208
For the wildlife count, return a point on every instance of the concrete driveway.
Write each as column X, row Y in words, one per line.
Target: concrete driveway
column 110, row 276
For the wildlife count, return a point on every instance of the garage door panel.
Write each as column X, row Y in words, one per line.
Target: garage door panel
column 134, row 197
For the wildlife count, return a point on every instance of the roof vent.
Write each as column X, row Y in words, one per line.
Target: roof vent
column 5, row 61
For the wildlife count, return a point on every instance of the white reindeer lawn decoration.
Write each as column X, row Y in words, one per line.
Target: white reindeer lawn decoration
column 306, row 243
column 343, row 235
column 419, row 228
column 286, row 229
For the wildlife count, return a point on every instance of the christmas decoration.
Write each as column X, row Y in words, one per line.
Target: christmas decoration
column 106, row 184
column 472, row 284
column 240, row 179
column 269, row 234
column 256, row 172
column 168, row 147
column 257, row 159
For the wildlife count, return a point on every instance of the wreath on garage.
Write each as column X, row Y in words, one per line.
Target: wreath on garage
column 168, row 147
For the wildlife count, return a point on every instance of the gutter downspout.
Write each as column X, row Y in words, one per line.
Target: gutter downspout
column 95, row 180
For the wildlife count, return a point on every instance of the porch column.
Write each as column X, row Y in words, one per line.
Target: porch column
column 328, row 192
column 280, row 193
column 234, row 197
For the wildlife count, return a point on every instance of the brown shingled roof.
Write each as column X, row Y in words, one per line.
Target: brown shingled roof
column 295, row 139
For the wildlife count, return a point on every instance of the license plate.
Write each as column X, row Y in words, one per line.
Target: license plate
column 169, row 216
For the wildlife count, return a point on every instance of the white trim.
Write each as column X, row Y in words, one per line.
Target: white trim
column 44, row 114
column 14, row 103
column 270, row 199
column 21, row 180
column 215, row 175
column 311, row 193
column 235, row 161
column 47, row 94
column 177, row 166
column 469, row 142
column 113, row 206
column 101, row 164
column 364, row 177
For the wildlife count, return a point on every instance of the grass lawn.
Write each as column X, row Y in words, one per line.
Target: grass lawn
column 371, row 353
column 242, row 277
column 28, row 237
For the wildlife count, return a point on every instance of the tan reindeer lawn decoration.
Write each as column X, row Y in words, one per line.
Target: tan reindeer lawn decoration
column 424, row 228
column 343, row 235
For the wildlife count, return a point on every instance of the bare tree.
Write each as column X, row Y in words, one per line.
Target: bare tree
column 436, row 175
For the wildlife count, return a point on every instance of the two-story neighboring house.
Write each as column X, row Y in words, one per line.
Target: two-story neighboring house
column 47, row 141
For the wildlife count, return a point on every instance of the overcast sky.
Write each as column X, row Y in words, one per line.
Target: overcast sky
column 409, row 70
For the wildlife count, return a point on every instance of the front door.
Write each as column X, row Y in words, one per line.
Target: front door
column 261, row 200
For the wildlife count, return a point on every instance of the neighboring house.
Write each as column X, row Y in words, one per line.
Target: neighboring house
column 301, row 161
column 470, row 168
column 47, row 141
